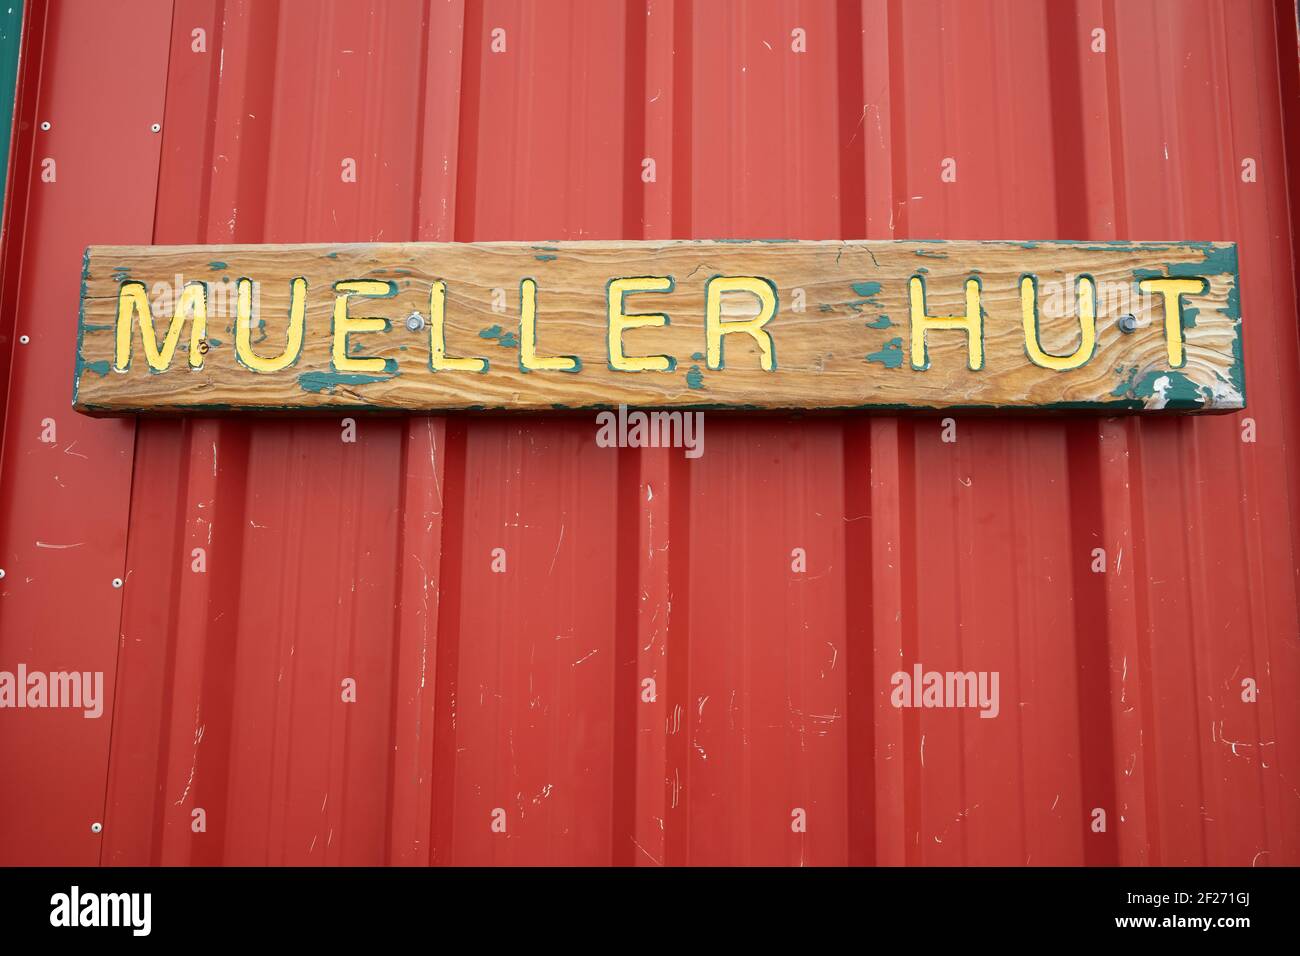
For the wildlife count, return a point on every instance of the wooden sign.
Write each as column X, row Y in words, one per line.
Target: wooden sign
column 757, row 325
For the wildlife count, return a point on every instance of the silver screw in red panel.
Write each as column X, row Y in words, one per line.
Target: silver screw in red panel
column 117, row 582
column 96, row 827
column 156, row 128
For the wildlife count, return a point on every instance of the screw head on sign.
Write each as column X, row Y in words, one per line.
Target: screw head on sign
column 23, row 340
column 117, row 582
column 156, row 128
column 96, row 827
column 415, row 321
column 46, row 126
column 1128, row 323
column 2, row 572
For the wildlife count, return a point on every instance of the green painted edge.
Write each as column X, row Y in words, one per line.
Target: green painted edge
column 11, row 32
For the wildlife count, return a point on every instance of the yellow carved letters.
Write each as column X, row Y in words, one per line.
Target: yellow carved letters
column 133, row 300
column 244, row 327
column 1087, row 297
column 439, row 360
column 620, row 320
column 972, row 322
column 345, row 325
column 529, row 360
column 1172, row 290
column 715, row 328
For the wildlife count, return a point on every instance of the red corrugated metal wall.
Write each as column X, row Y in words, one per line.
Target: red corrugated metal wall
column 523, row 691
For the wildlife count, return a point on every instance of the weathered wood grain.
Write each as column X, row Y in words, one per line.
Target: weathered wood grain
column 842, row 330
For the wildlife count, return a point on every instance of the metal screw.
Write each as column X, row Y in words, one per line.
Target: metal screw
column 117, row 582
column 23, row 340
column 156, row 128
column 46, row 126
column 96, row 827
column 1128, row 323
column 415, row 321
column 2, row 572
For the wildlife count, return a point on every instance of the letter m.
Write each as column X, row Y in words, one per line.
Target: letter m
column 117, row 909
column 133, row 302
column 65, row 688
column 961, row 688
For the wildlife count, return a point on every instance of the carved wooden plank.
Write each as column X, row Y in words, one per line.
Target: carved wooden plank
column 762, row 325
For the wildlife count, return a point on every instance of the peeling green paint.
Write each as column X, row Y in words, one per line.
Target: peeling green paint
column 1218, row 259
column 327, row 381
column 1213, row 262
column 1125, row 388
column 866, row 289
column 1237, row 373
column 218, row 266
column 1179, row 391
column 695, row 378
column 891, row 356
column 79, row 363
column 503, row 338
column 880, row 322
column 1232, row 309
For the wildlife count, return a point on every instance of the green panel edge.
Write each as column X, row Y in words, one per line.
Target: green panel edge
column 11, row 31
